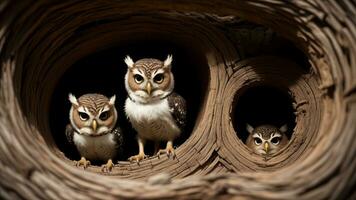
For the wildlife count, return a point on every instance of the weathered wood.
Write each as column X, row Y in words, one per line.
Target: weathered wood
column 40, row 40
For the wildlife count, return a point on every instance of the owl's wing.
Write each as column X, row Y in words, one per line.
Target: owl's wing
column 69, row 133
column 118, row 138
column 178, row 109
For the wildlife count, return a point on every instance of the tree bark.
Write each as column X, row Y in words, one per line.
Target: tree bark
column 40, row 40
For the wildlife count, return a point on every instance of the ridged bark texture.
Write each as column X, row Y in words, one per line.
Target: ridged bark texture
column 40, row 40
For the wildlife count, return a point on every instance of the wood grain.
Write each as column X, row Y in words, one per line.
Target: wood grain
column 40, row 40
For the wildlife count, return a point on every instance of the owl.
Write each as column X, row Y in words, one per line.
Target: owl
column 93, row 129
column 154, row 110
column 266, row 140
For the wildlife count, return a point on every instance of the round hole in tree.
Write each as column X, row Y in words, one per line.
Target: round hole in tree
column 260, row 105
column 104, row 71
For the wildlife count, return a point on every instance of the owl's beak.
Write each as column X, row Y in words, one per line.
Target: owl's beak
column 266, row 147
column 149, row 88
column 94, row 125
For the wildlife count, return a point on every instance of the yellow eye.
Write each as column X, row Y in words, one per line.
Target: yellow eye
column 158, row 78
column 138, row 78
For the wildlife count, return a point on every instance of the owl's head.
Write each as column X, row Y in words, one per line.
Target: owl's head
column 92, row 114
column 148, row 80
column 266, row 139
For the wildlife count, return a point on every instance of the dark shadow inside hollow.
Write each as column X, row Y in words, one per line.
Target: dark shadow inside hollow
column 104, row 71
column 260, row 105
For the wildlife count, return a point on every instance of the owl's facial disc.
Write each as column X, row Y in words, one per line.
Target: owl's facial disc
column 274, row 143
column 162, row 81
column 148, row 86
column 266, row 140
column 95, row 124
column 83, row 120
column 266, row 146
column 138, row 83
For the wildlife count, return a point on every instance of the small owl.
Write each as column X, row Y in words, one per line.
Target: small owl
column 154, row 110
column 93, row 129
column 266, row 140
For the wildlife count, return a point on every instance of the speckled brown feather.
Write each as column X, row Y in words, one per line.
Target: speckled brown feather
column 178, row 108
column 93, row 102
column 266, row 130
column 149, row 65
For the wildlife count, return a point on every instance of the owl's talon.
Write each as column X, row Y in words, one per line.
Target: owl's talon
column 108, row 166
column 169, row 151
column 138, row 157
column 83, row 162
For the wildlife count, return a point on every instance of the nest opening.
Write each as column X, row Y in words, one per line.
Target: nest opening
column 103, row 72
column 260, row 105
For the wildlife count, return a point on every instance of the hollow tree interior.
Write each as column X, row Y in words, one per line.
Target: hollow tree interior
column 234, row 62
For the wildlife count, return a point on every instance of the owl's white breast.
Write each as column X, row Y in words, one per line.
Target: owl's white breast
column 95, row 148
column 152, row 121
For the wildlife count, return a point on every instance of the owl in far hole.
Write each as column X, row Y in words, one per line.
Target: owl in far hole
column 154, row 110
column 93, row 129
column 266, row 140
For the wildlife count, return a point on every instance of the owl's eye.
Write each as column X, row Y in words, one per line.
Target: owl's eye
column 158, row 78
column 258, row 141
column 83, row 116
column 138, row 78
column 104, row 115
column 275, row 140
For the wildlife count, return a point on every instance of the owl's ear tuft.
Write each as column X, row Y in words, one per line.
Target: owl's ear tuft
column 129, row 62
column 112, row 100
column 284, row 128
column 73, row 99
column 168, row 61
column 249, row 128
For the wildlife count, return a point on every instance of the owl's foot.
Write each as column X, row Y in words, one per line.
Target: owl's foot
column 138, row 157
column 83, row 162
column 108, row 166
column 169, row 151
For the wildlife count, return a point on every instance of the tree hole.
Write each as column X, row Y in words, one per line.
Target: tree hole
column 103, row 72
column 260, row 105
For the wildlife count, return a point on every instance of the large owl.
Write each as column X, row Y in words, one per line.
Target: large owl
column 266, row 140
column 154, row 110
column 93, row 129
